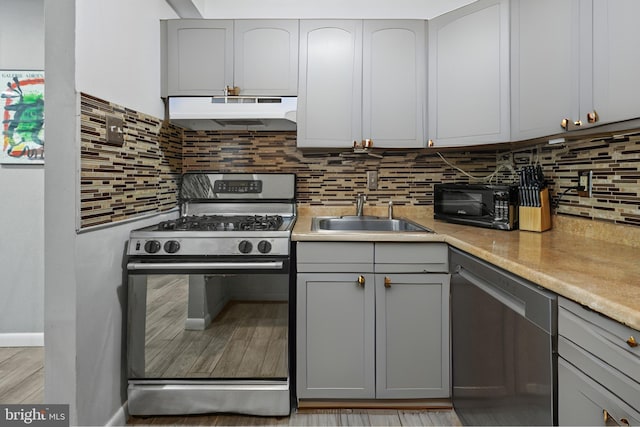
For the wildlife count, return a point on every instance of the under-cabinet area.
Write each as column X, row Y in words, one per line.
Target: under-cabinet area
column 372, row 320
column 598, row 375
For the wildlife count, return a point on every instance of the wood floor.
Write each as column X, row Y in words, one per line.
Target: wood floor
column 22, row 381
column 247, row 339
column 316, row 417
column 21, row 375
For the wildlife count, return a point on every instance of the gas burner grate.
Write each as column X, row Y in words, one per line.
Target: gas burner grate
column 261, row 222
column 223, row 223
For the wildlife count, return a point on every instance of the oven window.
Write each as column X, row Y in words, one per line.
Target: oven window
column 211, row 327
column 462, row 203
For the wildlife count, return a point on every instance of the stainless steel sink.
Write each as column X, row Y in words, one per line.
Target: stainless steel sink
column 365, row 224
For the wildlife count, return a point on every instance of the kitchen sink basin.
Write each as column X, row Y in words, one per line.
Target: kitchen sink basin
column 365, row 224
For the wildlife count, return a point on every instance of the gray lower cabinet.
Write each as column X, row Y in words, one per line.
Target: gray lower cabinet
column 412, row 335
column 366, row 333
column 598, row 369
column 335, row 335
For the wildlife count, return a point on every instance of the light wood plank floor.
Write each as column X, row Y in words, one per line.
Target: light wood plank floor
column 315, row 417
column 21, row 375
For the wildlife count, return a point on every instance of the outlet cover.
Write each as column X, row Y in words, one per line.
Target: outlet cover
column 372, row 180
column 115, row 130
column 585, row 179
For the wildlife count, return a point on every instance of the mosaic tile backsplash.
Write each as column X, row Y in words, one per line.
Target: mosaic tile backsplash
column 123, row 181
column 142, row 176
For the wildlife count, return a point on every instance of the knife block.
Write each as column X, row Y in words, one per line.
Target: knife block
column 536, row 218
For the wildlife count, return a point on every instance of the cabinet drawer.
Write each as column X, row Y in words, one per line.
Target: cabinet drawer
column 603, row 337
column 411, row 257
column 335, row 257
column 621, row 384
column 582, row 401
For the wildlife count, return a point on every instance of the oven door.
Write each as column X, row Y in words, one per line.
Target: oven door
column 199, row 334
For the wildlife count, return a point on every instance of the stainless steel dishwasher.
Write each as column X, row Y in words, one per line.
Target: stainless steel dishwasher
column 504, row 346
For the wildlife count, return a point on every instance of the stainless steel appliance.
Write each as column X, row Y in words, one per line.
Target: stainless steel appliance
column 504, row 346
column 490, row 206
column 208, row 308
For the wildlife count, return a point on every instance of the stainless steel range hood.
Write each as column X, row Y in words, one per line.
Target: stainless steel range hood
column 234, row 112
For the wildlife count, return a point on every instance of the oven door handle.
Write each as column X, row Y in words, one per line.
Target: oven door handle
column 269, row 265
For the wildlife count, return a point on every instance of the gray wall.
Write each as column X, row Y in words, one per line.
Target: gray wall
column 21, row 193
column 84, row 279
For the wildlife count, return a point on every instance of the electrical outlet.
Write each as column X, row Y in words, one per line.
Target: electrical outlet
column 585, row 179
column 115, row 130
column 372, row 180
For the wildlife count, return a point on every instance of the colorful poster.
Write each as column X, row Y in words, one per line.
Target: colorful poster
column 22, row 109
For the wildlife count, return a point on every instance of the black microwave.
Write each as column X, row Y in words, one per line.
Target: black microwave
column 490, row 206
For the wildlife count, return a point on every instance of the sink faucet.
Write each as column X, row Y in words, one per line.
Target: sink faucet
column 360, row 199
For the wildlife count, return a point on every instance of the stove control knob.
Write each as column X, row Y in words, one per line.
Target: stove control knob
column 245, row 246
column 152, row 246
column 171, row 246
column 264, row 247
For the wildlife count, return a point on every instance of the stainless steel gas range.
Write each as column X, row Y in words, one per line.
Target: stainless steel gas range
column 208, row 309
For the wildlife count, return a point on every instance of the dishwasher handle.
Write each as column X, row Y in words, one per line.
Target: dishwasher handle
column 499, row 294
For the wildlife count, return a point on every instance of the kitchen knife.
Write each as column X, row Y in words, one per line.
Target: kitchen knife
column 521, row 187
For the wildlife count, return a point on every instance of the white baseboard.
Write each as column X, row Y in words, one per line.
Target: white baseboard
column 26, row 339
column 120, row 417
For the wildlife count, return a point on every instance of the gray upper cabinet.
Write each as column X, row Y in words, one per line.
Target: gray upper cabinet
column 199, row 55
column 579, row 72
column 204, row 56
column 362, row 80
column 266, row 57
column 468, row 77
column 393, row 83
column 330, row 90
column 616, row 93
column 544, row 83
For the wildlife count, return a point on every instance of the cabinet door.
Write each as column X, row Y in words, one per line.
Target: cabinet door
column 469, row 75
column 330, row 89
column 412, row 336
column 335, row 336
column 266, row 57
column 199, row 56
column 616, row 63
column 393, row 94
column 544, row 73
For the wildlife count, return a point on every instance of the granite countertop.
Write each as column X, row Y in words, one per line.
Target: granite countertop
column 602, row 275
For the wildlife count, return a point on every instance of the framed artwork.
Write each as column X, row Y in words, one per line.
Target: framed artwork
column 22, row 109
